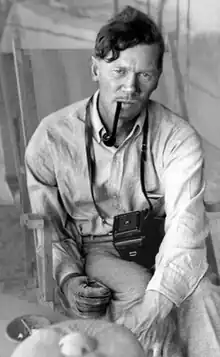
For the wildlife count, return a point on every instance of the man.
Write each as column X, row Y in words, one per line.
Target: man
column 81, row 185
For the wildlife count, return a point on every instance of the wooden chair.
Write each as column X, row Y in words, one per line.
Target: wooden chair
column 38, row 240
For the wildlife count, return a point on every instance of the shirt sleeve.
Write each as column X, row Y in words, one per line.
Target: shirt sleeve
column 46, row 201
column 182, row 262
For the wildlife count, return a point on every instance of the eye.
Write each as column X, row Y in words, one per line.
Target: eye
column 146, row 75
column 119, row 71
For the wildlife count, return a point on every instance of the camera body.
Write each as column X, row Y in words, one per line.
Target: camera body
column 137, row 236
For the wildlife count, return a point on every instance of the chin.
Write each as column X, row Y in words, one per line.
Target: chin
column 129, row 114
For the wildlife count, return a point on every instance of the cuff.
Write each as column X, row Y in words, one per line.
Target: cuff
column 175, row 283
column 67, row 277
column 65, row 270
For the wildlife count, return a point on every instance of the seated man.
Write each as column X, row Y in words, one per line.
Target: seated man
column 113, row 154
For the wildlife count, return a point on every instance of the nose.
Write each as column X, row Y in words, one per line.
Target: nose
column 130, row 84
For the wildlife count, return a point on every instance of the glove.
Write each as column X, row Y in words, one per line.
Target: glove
column 86, row 297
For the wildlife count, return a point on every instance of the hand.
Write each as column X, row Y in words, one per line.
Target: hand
column 154, row 307
column 153, row 325
column 161, row 339
column 87, row 298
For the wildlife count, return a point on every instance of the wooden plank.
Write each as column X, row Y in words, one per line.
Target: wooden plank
column 23, row 105
column 47, row 266
column 42, row 238
column 43, row 248
column 46, row 283
column 28, row 236
column 5, row 91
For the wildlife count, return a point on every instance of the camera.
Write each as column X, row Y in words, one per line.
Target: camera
column 137, row 236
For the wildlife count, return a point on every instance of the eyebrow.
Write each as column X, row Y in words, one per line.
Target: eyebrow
column 141, row 71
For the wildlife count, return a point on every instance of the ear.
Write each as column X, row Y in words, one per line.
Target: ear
column 95, row 69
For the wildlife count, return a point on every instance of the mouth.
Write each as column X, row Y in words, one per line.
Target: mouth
column 128, row 101
column 124, row 100
column 126, row 104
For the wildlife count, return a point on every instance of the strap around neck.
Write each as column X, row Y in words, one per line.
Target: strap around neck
column 90, row 153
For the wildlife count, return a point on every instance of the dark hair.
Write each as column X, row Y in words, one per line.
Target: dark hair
column 126, row 29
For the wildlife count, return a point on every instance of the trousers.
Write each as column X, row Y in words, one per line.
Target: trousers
column 198, row 317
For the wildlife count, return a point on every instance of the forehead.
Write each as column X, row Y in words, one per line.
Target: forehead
column 141, row 57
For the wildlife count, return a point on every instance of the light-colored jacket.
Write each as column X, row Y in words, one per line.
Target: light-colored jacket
column 58, row 184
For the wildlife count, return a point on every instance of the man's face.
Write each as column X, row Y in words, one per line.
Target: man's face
column 130, row 79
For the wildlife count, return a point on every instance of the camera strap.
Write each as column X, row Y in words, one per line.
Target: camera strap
column 90, row 154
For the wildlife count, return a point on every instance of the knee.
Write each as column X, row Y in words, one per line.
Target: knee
column 98, row 264
column 122, row 277
column 137, row 282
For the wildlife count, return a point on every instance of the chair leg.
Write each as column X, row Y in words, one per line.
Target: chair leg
column 43, row 247
column 45, row 266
